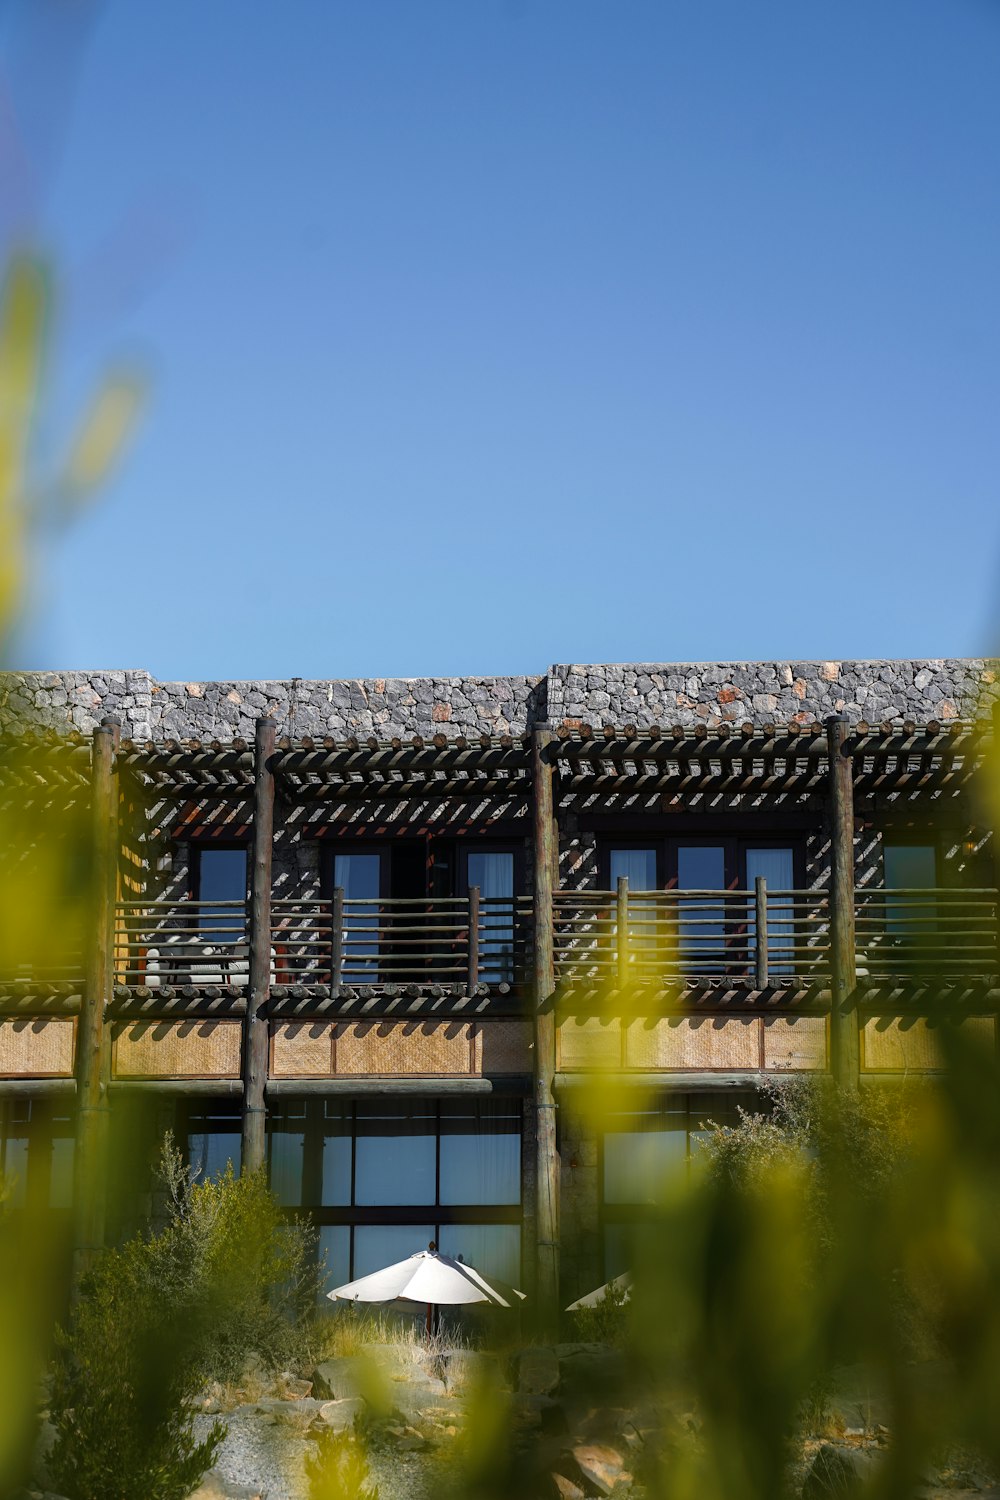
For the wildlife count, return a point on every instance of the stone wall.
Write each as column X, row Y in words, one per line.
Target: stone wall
column 665, row 693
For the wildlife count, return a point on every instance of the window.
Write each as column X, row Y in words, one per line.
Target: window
column 360, row 877
column 383, row 1177
column 220, row 887
column 492, row 871
column 642, row 1151
column 911, row 920
column 213, row 1135
column 708, row 934
column 36, row 1153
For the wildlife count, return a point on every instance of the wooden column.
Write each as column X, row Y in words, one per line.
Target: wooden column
column 255, row 1026
column 93, row 1039
column 546, row 1157
column 845, row 1041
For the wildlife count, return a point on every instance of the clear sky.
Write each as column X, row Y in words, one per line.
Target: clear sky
column 489, row 333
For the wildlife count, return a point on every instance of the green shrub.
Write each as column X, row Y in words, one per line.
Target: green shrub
column 122, row 1374
column 606, row 1322
column 227, row 1281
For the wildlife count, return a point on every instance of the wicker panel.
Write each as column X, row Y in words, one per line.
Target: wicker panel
column 400, row 1048
column 503, row 1047
column 794, row 1043
column 589, row 1043
column 713, row 1043
column 36, row 1049
column 178, row 1049
column 891, row 1045
column 302, row 1049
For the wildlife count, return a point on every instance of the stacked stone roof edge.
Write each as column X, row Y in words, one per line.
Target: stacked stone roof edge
column 684, row 693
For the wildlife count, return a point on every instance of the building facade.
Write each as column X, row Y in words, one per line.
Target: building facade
column 382, row 934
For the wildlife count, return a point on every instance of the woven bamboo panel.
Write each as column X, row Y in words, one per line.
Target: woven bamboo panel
column 890, row 1045
column 36, row 1049
column 503, row 1047
column 401, row 1048
column 794, row 1043
column 178, row 1049
column 712, row 1043
column 589, row 1043
column 302, row 1049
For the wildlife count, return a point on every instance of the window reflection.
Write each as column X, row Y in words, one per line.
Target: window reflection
column 395, row 1154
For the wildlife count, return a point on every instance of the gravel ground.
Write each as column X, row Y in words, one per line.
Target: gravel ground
column 269, row 1454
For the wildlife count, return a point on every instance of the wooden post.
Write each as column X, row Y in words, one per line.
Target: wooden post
column 546, row 1157
column 845, row 1041
column 760, row 932
column 93, row 1045
column 255, row 1025
column 337, row 958
column 473, row 978
column 621, row 930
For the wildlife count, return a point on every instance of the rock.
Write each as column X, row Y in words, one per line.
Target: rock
column 565, row 1488
column 279, row 1406
column 600, row 1466
column 296, row 1389
column 838, row 1471
column 537, row 1372
column 335, row 1379
column 341, row 1414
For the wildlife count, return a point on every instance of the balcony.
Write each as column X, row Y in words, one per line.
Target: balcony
column 475, row 945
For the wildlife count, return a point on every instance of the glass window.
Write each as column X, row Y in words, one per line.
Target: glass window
column 338, row 1130
column 286, row 1151
column 702, row 927
column 395, row 1154
column 378, row 1245
column 480, row 1154
column 359, row 876
column 222, row 877
column 638, row 866
column 910, row 866
column 640, row 1157
column 492, row 870
column 213, row 1141
column 335, row 1245
column 777, row 866
column 494, row 1249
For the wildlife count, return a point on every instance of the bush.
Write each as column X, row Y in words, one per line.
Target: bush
column 606, row 1322
column 122, row 1374
column 226, row 1282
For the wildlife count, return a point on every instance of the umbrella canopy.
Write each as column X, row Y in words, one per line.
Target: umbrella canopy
column 622, row 1283
column 425, row 1277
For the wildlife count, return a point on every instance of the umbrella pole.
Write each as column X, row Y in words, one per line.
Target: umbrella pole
column 429, row 1320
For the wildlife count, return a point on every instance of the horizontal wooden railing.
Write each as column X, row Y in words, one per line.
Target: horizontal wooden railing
column 760, row 936
column 757, row 937
column 465, row 941
column 912, row 933
column 174, row 944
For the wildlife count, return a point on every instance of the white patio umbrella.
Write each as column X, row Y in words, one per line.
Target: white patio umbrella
column 427, row 1277
column 622, row 1283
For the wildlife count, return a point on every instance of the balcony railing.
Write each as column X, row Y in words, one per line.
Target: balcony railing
column 761, row 937
column 465, row 941
column 173, row 944
column 752, row 937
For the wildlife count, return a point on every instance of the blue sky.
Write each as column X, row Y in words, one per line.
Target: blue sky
column 485, row 334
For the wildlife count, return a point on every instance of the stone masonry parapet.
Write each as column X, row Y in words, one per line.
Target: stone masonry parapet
column 640, row 693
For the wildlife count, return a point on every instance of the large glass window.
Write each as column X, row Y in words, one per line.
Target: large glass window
column 359, row 876
column 777, row 867
column 213, row 1135
column 383, row 1177
column 701, row 868
column 643, row 1151
column 36, row 1153
column 492, row 870
column 911, row 920
column 221, row 880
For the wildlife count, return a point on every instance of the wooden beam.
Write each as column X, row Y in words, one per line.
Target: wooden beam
column 93, row 1046
column 546, row 1158
column 255, row 1026
column 845, row 1039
